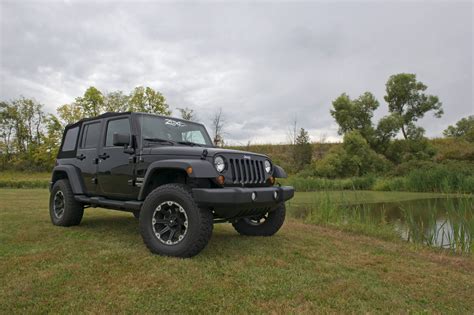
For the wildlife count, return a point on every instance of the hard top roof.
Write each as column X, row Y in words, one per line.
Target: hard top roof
column 114, row 114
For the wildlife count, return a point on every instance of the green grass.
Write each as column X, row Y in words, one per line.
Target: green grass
column 102, row 266
column 12, row 179
column 359, row 196
column 416, row 181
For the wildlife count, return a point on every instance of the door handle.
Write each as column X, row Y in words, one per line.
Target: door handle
column 104, row 156
column 80, row 157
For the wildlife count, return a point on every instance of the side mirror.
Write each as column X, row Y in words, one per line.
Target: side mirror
column 121, row 140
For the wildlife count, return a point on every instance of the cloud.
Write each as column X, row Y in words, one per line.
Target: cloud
column 264, row 64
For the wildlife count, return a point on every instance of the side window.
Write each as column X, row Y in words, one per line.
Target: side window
column 70, row 139
column 116, row 126
column 90, row 136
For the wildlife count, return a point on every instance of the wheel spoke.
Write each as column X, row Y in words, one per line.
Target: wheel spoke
column 164, row 230
column 173, row 231
column 162, row 221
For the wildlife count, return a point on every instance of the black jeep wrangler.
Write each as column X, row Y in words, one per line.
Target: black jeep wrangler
column 167, row 172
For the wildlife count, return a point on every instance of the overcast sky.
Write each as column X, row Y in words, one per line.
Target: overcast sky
column 264, row 64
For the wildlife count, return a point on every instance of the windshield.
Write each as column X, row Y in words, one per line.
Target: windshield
column 170, row 130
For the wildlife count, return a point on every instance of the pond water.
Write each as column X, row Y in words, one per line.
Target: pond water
column 439, row 222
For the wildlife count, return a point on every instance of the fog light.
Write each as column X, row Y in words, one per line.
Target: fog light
column 220, row 180
column 275, row 195
column 254, row 196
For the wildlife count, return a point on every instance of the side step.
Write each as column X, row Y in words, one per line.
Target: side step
column 109, row 203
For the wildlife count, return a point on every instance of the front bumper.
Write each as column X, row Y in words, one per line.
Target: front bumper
column 237, row 201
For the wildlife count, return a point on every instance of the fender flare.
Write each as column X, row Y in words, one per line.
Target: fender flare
column 201, row 169
column 73, row 175
column 279, row 172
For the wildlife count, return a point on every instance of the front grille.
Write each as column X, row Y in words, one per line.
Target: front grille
column 246, row 171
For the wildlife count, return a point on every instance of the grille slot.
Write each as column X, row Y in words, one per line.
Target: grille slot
column 246, row 171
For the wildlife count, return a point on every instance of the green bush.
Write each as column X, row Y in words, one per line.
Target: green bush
column 354, row 158
column 317, row 183
column 24, row 183
column 399, row 151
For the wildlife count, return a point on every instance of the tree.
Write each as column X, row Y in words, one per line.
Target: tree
column 70, row 113
column 354, row 157
column 387, row 128
column 48, row 149
column 91, row 103
column 187, row 114
column 148, row 100
column 355, row 115
column 405, row 98
column 292, row 131
column 116, row 101
column 218, row 128
column 302, row 151
column 464, row 128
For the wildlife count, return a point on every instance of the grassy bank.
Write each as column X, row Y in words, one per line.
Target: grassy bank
column 102, row 266
column 367, row 212
column 414, row 182
column 11, row 179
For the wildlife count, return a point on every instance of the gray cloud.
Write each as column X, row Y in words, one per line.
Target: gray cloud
column 263, row 64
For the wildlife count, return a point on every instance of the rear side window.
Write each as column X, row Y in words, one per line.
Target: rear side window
column 121, row 126
column 90, row 136
column 70, row 139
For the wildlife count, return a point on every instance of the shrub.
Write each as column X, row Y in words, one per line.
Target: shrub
column 353, row 158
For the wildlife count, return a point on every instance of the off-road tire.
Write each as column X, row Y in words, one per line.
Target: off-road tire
column 199, row 228
column 73, row 210
column 136, row 214
column 270, row 226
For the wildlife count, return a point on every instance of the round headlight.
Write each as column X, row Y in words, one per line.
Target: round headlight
column 219, row 164
column 268, row 166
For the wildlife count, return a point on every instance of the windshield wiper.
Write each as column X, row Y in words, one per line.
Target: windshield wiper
column 189, row 143
column 159, row 140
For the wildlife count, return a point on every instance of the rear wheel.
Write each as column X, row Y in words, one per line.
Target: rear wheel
column 64, row 210
column 172, row 224
column 262, row 225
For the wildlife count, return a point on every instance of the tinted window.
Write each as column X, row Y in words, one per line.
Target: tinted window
column 173, row 129
column 70, row 139
column 121, row 126
column 90, row 136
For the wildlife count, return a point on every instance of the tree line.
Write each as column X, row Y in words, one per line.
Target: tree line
column 30, row 137
column 371, row 148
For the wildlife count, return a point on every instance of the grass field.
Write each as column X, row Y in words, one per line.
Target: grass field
column 103, row 266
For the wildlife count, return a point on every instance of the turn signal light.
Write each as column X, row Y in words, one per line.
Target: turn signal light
column 189, row 170
column 271, row 180
column 220, row 179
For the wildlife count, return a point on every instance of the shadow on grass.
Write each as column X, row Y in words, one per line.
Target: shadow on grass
column 125, row 230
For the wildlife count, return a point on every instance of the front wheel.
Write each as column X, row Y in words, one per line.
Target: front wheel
column 64, row 210
column 262, row 225
column 172, row 224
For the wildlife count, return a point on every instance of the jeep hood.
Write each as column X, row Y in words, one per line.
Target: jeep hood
column 183, row 151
